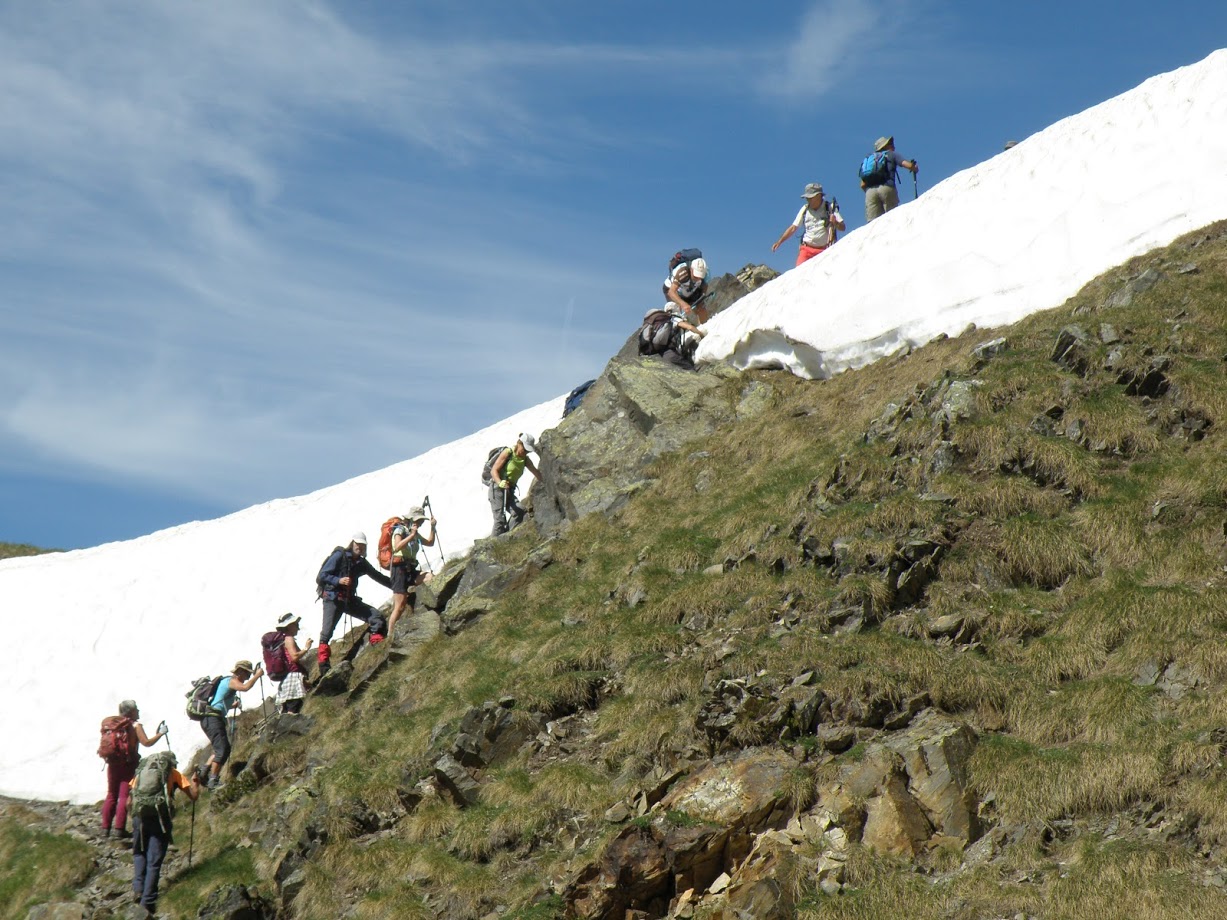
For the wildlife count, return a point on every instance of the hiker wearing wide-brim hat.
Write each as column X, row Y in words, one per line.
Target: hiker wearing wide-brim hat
column 821, row 220
column 293, row 688
column 505, row 471
column 878, row 174
column 338, row 588
column 407, row 541
column 243, row 677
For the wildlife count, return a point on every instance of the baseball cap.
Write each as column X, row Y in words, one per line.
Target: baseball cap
column 529, row 442
column 358, row 537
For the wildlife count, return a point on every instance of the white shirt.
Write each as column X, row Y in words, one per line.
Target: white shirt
column 815, row 225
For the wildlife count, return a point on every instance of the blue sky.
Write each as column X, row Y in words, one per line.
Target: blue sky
column 250, row 250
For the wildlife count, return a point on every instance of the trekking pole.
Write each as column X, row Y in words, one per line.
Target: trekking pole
column 434, row 530
column 915, row 185
column 191, row 837
column 262, row 700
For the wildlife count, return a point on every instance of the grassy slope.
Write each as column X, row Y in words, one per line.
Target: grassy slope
column 9, row 550
column 1076, row 565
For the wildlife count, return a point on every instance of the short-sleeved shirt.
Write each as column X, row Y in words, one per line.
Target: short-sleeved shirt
column 893, row 159
column 815, row 223
column 410, row 549
column 174, row 781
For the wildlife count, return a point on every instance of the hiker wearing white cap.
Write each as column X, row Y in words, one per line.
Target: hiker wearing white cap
column 292, row 689
column 338, row 588
column 821, row 220
column 403, row 569
column 878, row 173
column 505, row 471
column 686, row 287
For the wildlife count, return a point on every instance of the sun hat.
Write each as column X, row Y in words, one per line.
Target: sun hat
column 244, row 665
column 882, row 143
column 529, row 442
column 415, row 514
column 288, row 619
column 813, row 190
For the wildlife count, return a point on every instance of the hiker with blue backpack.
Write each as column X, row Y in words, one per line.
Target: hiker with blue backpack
column 821, row 220
column 503, row 469
column 878, row 174
column 225, row 696
column 337, row 583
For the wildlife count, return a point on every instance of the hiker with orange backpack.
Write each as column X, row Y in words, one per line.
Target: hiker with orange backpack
column 119, row 747
column 404, row 543
column 337, row 582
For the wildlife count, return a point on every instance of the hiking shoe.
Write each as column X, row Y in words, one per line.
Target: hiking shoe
column 122, row 834
column 214, row 781
column 376, row 638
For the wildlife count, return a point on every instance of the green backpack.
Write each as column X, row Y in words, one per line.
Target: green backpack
column 150, row 796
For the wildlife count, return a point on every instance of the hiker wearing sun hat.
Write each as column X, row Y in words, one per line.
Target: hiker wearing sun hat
column 878, row 174
column 337, row 583
column 821, row 220
column 403, row 568
column 292, row 689
column 505, row 471
column 243, row 677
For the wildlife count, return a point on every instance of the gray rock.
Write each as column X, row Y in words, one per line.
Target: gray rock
column 990, row 349
column 457, row 781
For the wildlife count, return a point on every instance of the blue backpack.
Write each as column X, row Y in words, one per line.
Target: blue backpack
column 875, row 169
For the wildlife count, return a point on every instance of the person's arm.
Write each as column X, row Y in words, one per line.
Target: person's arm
column 909, row 165
column 431, row 540
column 528, row 465
column 292, row 651
column 689, row 327
column 399, row 543
column 144, row 739
column 190, row 788
column 792, row 228
column 245, row 685
column 676, row 298
column 364, row 565
column 496, row 471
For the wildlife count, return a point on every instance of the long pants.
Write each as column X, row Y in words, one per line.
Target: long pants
column 880, row 200
column 356, row 608
column 115, row 805
column 149, row 843
column 504, row 508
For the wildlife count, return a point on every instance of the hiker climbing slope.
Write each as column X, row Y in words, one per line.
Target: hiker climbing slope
column 505, row 468
column 283, row 662
column 821, row 220
column 686, row 286
column 122, row 736
column 405, row 544
column 878, row 174
column 152, row 789
column 338, row 586
column 226, row 697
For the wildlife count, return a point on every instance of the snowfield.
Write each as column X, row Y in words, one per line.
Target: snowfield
column 990, row 245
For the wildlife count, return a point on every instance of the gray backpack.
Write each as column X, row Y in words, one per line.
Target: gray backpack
column 150, row 797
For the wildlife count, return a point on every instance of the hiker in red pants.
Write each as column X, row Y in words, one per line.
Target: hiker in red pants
column 121, row 736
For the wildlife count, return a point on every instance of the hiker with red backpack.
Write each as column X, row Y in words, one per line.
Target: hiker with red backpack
column 821, row 220
column 337, row 582
column 404, row 543
column 122, row 736
column 878, row 174
column 283, row 662
column 502, row 471
column 225, row 697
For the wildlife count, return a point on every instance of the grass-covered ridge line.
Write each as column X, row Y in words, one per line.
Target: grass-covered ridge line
column 12, row 550
column 1075, row 522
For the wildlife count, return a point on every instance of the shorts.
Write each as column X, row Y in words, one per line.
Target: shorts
column 402, row 576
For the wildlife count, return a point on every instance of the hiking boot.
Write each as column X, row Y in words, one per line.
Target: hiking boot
column 122, row 834
column 214, row 781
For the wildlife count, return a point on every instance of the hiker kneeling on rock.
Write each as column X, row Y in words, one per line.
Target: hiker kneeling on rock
column 152, row 793
column 407, row 541
column 505, row 468
column 226, row 697
column 337, row 582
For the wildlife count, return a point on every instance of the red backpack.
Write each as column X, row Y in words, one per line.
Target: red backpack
column 116, row 743
column 276, row 661
column 385, row 542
